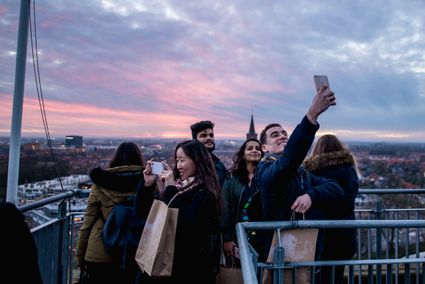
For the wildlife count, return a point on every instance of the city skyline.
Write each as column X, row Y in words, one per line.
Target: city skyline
column 149, row 69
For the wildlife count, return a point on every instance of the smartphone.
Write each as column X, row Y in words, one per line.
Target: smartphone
column 320, row 80
column 157, row 168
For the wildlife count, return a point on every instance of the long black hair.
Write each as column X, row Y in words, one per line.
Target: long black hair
column 205, row 169
column 239, row 163
column 127, row 153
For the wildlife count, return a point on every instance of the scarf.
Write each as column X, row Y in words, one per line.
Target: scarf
column 187, row 184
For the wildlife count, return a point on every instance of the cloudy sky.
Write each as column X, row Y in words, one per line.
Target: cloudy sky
column 127, row 68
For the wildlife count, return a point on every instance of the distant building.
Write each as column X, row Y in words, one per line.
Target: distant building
column 35, row 146
column 251, row 132
column 74, row 141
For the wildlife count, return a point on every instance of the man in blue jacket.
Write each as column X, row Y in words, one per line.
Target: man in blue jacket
column 284, row 186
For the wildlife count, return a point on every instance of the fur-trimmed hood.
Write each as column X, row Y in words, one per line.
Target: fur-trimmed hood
column 123, row 179
column 330, row 159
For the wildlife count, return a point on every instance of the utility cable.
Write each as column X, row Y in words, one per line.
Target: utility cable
column 36, row 68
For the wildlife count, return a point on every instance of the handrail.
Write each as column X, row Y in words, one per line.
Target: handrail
column 247, row 260
column 48, row 200
column 390, row 191
column 332, row 224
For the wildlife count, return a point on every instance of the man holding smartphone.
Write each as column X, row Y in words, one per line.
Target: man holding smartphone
column 203, row 131
column 284, row 186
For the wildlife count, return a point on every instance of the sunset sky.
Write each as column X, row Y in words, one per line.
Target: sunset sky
column 127, row 68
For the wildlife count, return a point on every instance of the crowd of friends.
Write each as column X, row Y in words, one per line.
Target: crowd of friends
column 270, row 180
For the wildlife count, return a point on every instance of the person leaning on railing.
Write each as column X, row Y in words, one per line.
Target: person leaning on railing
column 330, row 158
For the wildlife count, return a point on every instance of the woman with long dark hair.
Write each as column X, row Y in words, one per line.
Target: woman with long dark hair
column 197, row 240
column 240, row 194
column 112, row 185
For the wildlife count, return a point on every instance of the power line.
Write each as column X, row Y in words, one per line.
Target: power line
column 36, row 68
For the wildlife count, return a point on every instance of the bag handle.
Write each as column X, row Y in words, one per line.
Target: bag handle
column 293, row 216
column 178, row 193
column 291, row 219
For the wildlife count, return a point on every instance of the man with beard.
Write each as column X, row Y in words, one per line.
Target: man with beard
column 203, row 131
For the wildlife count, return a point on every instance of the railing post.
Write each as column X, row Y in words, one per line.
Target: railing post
column 378, row 239
column 279, row 259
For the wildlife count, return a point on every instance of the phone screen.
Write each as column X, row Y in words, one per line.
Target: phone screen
column 157, row 168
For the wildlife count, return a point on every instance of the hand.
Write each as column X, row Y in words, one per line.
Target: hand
column 147, row 174
column 321, row 102
column 302, row 203
column 229, row 248
column 167, row 175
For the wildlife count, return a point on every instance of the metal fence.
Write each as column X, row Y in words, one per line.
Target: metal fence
column 53, row 240
column 390, row 243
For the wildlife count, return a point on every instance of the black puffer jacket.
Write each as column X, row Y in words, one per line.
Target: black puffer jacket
column 340, row 166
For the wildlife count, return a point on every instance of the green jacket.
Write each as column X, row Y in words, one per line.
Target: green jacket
column 232, row 193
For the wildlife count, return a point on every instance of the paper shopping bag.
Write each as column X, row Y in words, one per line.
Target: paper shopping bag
column 299, row 245
column 229, row 274
column 155, row 252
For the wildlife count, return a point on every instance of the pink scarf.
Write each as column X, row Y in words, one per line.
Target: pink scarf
column 187, row 184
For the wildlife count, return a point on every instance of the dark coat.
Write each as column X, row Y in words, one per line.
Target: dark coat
column 281, row 181
column 340, row 165
column 18, row 248
column 197, row 244
column 219, row 168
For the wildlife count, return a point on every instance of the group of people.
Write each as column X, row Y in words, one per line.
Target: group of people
column 270, row 179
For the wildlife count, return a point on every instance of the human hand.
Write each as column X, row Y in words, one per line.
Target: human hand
column 229, row 248
column 302, row 203
column 147, row 174
column 167, row 175
column 321, row 102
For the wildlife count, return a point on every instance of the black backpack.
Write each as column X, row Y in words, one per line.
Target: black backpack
column 122, row 231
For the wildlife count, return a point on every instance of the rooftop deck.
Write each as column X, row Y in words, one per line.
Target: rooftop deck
column 390, row 242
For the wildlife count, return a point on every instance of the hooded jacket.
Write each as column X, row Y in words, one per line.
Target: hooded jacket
column 340, row 166
column 123, row 183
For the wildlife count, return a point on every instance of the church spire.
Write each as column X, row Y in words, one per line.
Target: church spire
column 251, row 133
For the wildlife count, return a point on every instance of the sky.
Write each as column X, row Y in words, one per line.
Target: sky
column 148, row 69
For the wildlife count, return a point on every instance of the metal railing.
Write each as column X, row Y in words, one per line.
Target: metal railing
column 53, row 240
column 253, row 270
column 377, row 254
column 388, row 250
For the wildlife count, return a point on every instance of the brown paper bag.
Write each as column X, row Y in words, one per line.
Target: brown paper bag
column 155, row 252
column 299, row 245
column 229, row 274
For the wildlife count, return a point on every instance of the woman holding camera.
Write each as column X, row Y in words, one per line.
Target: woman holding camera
column 196, row 191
